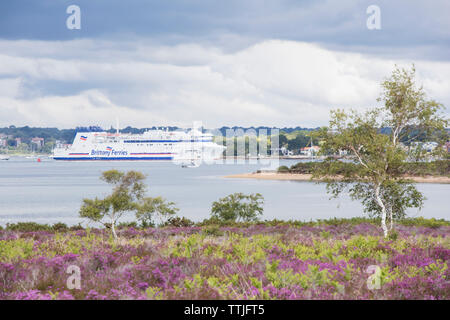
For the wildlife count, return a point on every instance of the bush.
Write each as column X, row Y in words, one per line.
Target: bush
column 178, row 222
column 420, row 221
column 283, row 169
column 238, row 206
column 60, row 227
column 155, row 207
column 33, row 227
column 130, row 224
column 76, row 227
column 393, row 235
column 27, row 227
column 433, row 168
column 213, row 230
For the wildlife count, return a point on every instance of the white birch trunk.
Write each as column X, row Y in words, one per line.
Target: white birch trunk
column 383, row 209
column 113, row 228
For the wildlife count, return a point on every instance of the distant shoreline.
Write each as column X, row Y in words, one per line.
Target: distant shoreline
column 307, row 177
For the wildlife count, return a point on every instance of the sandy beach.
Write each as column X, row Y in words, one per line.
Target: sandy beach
column 307, row 177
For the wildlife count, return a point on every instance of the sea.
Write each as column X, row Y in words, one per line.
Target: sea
column 50, row 191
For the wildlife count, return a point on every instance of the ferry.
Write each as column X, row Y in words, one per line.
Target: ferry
column 156, row 145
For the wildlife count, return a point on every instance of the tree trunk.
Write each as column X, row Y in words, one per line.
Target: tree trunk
column 113, row 229
column 383, row 209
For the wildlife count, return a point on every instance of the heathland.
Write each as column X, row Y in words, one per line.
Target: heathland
column 334, row 259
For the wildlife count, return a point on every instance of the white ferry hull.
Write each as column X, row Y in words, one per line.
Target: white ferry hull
column 151, row 146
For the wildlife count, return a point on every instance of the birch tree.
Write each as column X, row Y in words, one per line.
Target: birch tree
column 380, row 141
column 128, row 189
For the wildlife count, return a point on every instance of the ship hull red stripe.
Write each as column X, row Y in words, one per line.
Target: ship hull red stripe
column 138, row 154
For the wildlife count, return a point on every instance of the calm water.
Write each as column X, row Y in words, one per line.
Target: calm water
column 52, row 191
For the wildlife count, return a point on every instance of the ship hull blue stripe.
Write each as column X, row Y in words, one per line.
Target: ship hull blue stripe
column 112, row 158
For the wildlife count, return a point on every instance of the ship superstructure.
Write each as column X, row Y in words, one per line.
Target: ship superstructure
column 151, row 145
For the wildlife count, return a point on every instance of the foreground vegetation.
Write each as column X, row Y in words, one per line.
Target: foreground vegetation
column 332, row 259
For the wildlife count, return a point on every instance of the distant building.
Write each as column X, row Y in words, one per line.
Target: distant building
column 18, row 141
column 3, row 140
column 39, row 142
column 310, row 151
column 281, row 151
column 427, row 146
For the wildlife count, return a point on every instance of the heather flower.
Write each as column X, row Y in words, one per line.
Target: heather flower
column 258, row 262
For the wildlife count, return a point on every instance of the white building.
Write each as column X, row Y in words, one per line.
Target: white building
column 310, row 151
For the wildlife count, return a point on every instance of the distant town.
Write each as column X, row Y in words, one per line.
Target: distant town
column 26, row 140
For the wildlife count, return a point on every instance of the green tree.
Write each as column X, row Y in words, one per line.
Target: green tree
column 48, row 146
column 128, row 189
column 238, row 207
column 378, row 180
column 158, row 207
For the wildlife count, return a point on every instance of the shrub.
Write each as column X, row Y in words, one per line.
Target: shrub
column 283, row 169
column 434, row 168
column 213, row 230
column 76, row 227
column 178, row 222
column 393, row 235
column 157, row 207
column 60, row 227
column 238, row 206
column 27, row 227
column 129, row 224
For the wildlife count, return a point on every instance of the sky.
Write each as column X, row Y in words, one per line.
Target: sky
column 225, row 63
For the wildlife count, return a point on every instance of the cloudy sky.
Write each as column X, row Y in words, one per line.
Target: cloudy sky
column 236, row 62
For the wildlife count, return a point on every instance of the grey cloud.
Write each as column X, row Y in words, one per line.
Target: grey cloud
column 406, row 24
column 274, row 82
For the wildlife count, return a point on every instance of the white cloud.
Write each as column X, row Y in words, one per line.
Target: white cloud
column 274, row 82
column 10, row 87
